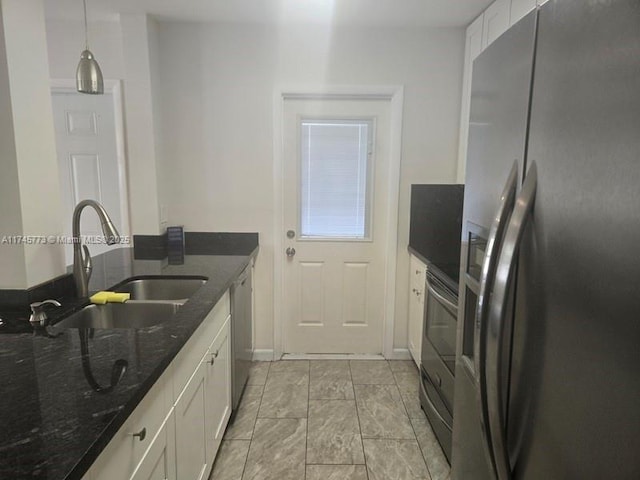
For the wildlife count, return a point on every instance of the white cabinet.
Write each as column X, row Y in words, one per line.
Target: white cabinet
column 127, row 448
column 176, row 430
column 519, row 8
column 191, row 442
column 218, row 395
column 473, row 47
column 492, row 23
column 418, row 272
column 159, row 461
column 495, row 21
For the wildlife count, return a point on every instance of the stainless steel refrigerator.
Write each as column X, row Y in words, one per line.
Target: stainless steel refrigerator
column 548, row 359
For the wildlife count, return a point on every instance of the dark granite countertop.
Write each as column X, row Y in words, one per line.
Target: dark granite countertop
column 53, row 422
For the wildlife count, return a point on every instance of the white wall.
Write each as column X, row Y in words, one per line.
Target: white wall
column 30, row 194
column 217, row 83
column 123, row 47
column 65, row 41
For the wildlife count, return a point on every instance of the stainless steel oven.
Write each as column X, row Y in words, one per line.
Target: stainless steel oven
column 438, row 355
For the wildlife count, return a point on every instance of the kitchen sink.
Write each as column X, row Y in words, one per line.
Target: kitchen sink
column 121, row 315
column 160, row 288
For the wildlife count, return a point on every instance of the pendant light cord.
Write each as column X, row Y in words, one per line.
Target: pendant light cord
column 86, row 31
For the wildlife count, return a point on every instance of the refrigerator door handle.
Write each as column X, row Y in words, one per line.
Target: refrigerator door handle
column 498, row 226
column 496, row 348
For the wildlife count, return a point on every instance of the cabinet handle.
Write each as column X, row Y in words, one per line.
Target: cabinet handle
column 213, row 357
column 141, row 434
column 417, row 272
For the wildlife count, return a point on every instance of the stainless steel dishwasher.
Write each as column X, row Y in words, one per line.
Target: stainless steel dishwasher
column 241, row 333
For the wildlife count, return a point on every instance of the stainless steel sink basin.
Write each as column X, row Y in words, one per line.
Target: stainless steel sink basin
column 121, row 315
column 161, row 288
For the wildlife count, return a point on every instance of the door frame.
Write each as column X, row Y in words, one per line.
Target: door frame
column 394, row 94
column 114, row 88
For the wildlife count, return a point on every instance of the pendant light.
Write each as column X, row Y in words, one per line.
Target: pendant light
column 88, row 75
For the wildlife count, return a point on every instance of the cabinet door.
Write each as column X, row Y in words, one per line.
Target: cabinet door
column 159, row 461
column 416, row 308
column 218, row 407
column 191, row 458
column 519, row 8
column 496, row 21
column 124, row 452
column 473, row 47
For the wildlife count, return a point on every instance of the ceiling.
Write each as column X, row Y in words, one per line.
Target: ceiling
column 372, row 13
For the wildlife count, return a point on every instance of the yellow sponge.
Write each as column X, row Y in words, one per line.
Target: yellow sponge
column 118, row 297
column 99, row 298
column 102, row 297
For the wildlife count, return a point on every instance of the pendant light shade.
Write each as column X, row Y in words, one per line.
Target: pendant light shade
column 88, row 75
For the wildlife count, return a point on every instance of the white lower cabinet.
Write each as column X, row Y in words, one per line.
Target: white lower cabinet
column 191, row 432
column 159, row 461
column 416, row 307
column 218, row 395
column 176, row 430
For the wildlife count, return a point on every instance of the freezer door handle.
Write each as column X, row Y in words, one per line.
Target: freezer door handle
column 498, row 226
column 497, row 349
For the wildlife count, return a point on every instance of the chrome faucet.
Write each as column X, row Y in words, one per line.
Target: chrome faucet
column 82, row 264
column 38, row 315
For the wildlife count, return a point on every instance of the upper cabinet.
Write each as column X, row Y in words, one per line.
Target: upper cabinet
column 492, row 23
column 519, row 8
column 473, row 47
column 495, row 21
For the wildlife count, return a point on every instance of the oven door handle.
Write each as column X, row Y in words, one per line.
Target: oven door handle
column 452, row 307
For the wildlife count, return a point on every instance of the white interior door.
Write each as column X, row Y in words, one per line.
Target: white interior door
column 88, row 162
column 336, row 159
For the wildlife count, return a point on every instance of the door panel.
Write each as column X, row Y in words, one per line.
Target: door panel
column 354, row 282
column 88, row 162
column 311, row 293
column 334, row 288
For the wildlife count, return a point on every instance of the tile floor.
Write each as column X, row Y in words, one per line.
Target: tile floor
column 331, row 420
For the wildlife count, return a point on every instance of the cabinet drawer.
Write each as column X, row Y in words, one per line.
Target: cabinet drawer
column 123, row 454
column 192, row 352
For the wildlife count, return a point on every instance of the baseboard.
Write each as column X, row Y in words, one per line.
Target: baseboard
column 263, row 355
column 331, row 356
column 400, row 354
column 267, row 355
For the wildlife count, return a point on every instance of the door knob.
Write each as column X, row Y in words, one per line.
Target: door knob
column 290, row 251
